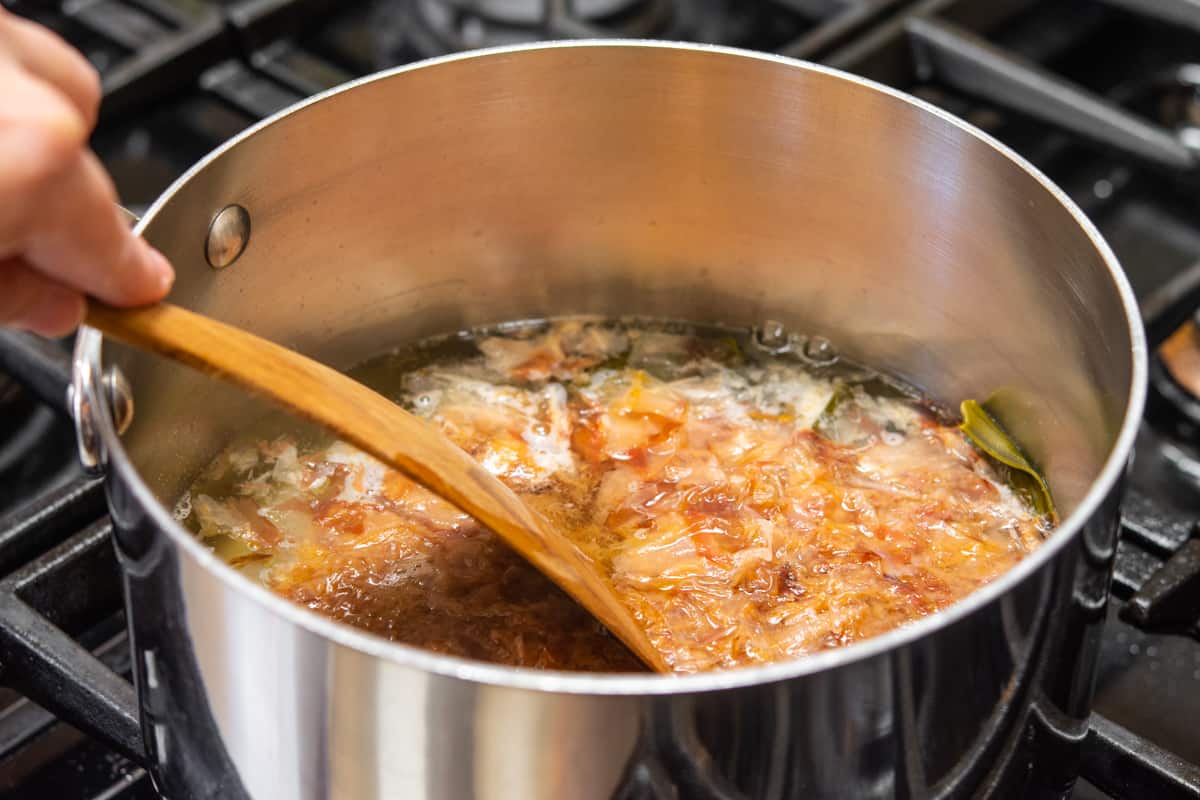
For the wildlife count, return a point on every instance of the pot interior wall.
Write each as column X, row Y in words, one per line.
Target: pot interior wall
column 625, row 179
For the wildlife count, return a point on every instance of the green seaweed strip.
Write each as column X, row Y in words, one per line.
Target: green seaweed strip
column 842, row 392
column 986, row 434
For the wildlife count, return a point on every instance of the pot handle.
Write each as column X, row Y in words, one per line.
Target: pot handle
column 43, row 365
column 47, row 369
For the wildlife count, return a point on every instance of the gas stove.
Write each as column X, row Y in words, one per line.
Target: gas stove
column 1103, row 95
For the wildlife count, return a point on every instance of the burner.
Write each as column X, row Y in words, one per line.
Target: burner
column 435, row 27
column 1169, row 96
column 1173, row 399
column 1179, row 103
column 533, row 12
column 440, row 26
column 1173, row 403
column 1181, row 357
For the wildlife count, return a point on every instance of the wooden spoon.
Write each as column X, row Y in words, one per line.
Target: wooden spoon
column 383, row 429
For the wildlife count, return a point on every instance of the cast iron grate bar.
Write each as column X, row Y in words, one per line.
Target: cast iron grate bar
column 41, row 365
column 842, row 20
column 816, row 8
column 1157, row 569
column 1169, row 600
column 970, row 63
column 258, row 23
column 1126, row 765
column 72, row 583
column 297, row 69
column 164, row 66
column 24, row 721
column 173, row 41
column 1132, row 569
column 246, row 90
column 36, row 526
column 1178, row 12
column 126, row 25
column 175, row 13
column 1142, row 520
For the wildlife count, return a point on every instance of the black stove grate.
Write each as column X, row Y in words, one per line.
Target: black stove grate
column 1101, row 95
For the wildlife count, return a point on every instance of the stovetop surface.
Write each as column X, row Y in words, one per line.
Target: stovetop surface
column 182, row 76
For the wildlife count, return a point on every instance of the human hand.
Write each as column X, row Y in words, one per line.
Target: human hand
column 61, row 233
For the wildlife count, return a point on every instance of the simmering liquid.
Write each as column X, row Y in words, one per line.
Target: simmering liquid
column 750, row 503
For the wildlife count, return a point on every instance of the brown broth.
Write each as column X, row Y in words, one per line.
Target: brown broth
column 751, row 503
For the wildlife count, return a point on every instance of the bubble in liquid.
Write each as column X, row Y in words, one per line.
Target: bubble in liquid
column 772, row 336
column 183, row 509
column 819, row 351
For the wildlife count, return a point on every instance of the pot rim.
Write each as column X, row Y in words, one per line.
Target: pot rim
column 88, row 352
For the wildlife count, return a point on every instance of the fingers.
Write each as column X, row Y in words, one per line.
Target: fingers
column 58, row 214
column 81, row 240
column 42, row 127
column 31, row 301
column 45, row 55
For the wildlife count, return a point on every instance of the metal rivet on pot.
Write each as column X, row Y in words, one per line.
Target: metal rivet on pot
column 120, row 399
column 228, row 235
column 819, row 351
column 771, row 336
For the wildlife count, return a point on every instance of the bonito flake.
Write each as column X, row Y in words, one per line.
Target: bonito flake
column 746, row 509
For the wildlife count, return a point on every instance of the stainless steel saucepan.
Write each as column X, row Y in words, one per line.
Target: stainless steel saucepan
column 625, row 178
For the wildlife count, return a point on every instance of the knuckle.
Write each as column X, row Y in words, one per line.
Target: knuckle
column 82, row 77
column 75, row 74
column 47, row 154
column 28, row 30
column 43, row 135
column 36, row 188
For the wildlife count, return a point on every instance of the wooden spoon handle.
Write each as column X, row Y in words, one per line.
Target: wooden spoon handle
column 378, row 426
